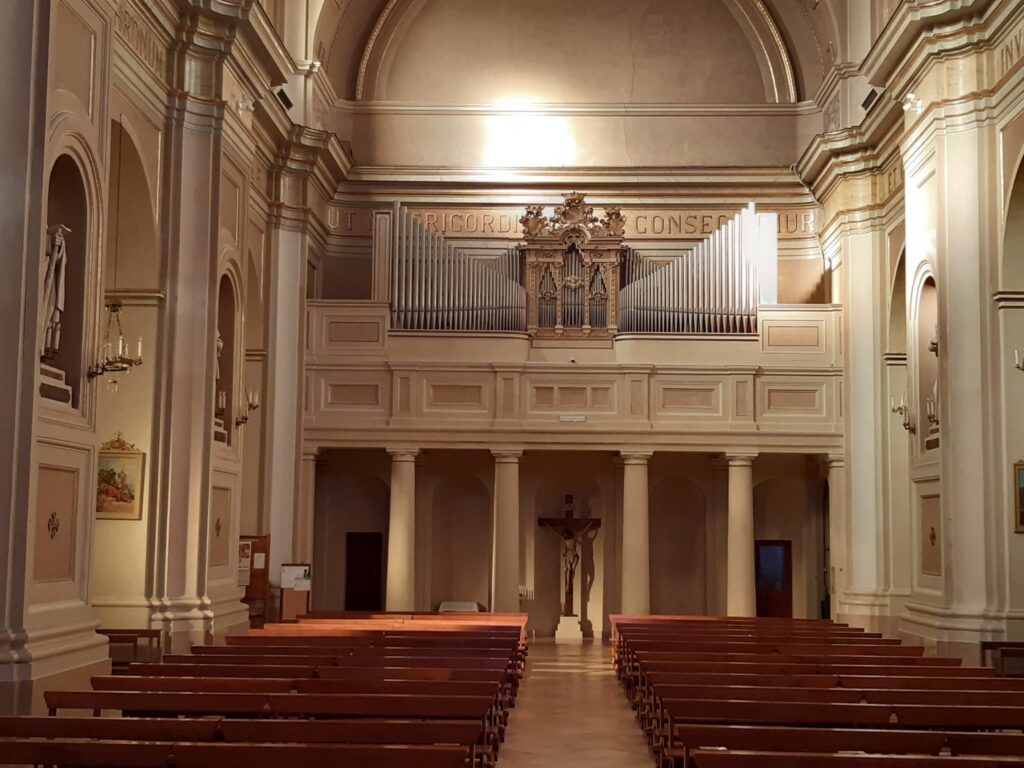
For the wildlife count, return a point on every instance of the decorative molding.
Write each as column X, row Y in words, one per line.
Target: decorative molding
column 1008, row 299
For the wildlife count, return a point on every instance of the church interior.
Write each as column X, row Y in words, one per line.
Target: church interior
column 370, row 357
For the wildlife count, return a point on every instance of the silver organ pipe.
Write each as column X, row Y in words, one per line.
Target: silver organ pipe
column 436, row 286
column 711, row 289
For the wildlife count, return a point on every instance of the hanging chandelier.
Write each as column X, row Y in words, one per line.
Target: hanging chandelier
column 115, row 356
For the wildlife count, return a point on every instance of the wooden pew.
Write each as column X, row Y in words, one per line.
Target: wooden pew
column 825, row 740
column 272, row 704
column 155, row 754
column 286, row 671
column 741, row 759
column 280, row 685
column 354, row 731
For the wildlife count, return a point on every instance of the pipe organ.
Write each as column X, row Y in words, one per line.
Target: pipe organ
column 572, row 269
column 573, row 277
column 436, row 286
column 715, row 288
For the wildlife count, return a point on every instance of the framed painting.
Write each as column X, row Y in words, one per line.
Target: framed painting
column 119, row 480
column 1018, row 496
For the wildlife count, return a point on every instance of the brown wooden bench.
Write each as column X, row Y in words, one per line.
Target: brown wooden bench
column 286, row 671
column 272, row 704
column 155, row 754
column 825, row 740
column 742, row 759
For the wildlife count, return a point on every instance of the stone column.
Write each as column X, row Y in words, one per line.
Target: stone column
column 838, row 529
column 741, row 598
column 636, row 542
column 25, row 38
column 302, row 535
column 401, row 580
column 181, row 596
column 505, row 557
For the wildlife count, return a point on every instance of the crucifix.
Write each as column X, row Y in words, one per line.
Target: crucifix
column 571, row 529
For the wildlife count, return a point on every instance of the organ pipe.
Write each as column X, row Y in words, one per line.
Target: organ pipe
column 711, row 289
column 437, row 286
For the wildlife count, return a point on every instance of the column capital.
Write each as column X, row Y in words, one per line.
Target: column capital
column 310, row 452
column 633, row 458
column 506, row 456
column 403, row 454
column 835, row 460
column 741, row 459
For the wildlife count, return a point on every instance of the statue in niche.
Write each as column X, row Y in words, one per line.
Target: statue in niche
column 220, row 351
column 54, row 281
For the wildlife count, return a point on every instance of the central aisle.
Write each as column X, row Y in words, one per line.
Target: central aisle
column 571, row 711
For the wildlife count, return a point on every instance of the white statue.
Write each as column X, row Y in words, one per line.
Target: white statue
column 220, row 351
column 53, row 290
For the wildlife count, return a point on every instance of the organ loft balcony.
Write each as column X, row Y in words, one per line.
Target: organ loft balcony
column 573, row 326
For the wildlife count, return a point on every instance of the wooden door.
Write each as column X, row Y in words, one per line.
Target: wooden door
column 364, row 571
column 774, row 574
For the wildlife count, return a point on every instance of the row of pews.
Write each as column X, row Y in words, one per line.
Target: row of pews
column 352, row 691
column 764, row 693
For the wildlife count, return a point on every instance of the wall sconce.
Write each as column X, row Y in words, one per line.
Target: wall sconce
column 1017, row 362
column 929, row 407
column 913, row 103
column 902, row 410
column 251, row 403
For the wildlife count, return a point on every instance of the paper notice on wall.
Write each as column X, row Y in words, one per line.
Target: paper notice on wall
column 259, row 561
column 244, row 563
column 296, row 576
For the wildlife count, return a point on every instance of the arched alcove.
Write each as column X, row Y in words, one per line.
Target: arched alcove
column 65, row 270
column 1011, row 326
column 460, row 541
column 350, row 521
column 131, row 277
column 678, row 547
column 224, row 400
column 253, row 384
column 897, row 337
column 926, row 364
column 789, row 507
column 575, row 477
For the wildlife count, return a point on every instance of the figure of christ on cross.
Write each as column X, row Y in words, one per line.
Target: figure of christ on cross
column 572, row 529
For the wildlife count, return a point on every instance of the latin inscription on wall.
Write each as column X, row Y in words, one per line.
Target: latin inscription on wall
column 641, row 223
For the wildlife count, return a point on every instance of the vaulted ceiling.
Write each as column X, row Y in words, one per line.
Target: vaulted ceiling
column 578, row 51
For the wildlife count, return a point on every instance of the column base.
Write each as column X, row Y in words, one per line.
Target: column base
column 569, row 631
column 57, row 659
column 945, row 632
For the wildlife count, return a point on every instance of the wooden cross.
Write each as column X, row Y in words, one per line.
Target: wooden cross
column 571, row 529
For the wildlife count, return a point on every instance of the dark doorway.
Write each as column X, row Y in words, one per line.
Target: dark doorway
column 364, row 568
column 774, row 579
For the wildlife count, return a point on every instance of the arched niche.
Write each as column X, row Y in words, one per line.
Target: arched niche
column 897, row 335
column 225, row 407
column 460, row 541
column 131, row 275
column 678, row 547
column 254, row 361
column 351, row 498
column 64, row 272
column 789, row 505
column 925, row 314
column 573, row 476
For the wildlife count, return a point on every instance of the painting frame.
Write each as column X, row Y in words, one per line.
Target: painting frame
column 120, row 480
column 1018, row 497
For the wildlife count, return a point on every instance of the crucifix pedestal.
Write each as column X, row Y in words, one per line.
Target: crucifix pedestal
column 571, row 530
